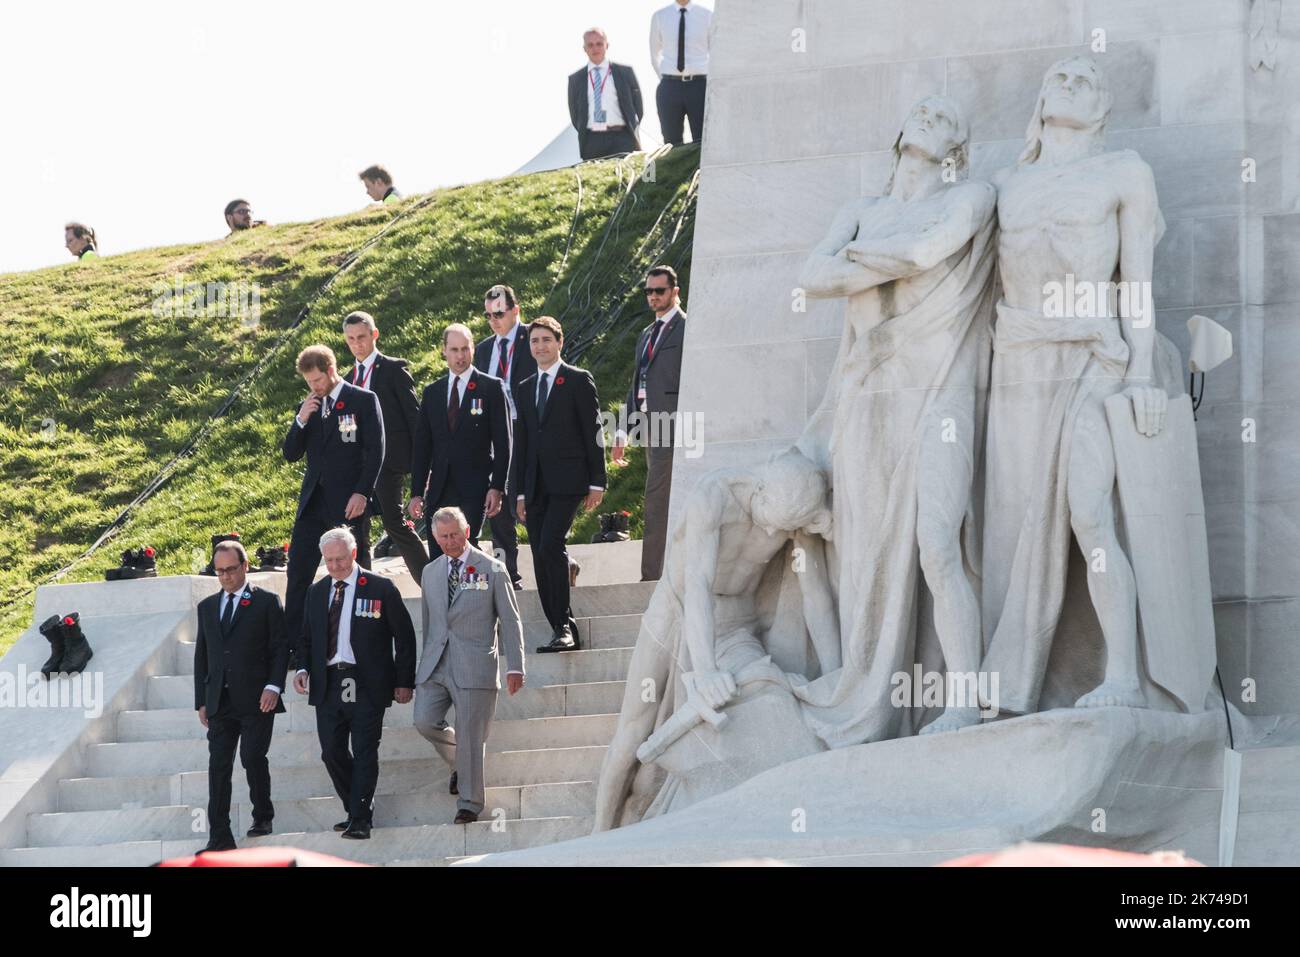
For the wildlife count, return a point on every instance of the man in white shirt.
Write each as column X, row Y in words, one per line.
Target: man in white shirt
column 604, row 102
column 679, row 49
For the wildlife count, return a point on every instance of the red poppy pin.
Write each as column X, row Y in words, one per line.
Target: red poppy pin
column 245, row 603
column 559, row 380
column 148, row 550
column 626, row 512
column 338, row 405
column 361, row 580
column 69, row 621
column 285, row 546
column 234, row 534
column 471, row 385
column 469, row 569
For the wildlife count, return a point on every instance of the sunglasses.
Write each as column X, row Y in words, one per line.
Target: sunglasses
column 656, row 290
column 495, row 315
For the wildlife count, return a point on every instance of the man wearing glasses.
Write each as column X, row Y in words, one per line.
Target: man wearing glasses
column 240, row 659
column 239, row 216
column 505, row 354
column 653, row 393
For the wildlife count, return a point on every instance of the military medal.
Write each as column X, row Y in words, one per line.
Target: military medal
column 375, row 607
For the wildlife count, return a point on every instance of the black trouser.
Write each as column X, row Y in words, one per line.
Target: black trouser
column 505, row 539
column 451, row 497
column 608, row 143
column 549, row 518
column 304, row 559
column 252, row 734
column 342, row 717
column 390, row 489
column 678, row 100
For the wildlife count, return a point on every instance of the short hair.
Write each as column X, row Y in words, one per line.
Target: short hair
column 340, row 534
column 450, row 513
column 666, row 271
column 590, row 30
column 462, row 329
column 230, row 206
column 376, row 172
column 82, row 231
column 359, row 319
column 547, row 322
column 230, row 546
column 499, row 290
column 318, row 358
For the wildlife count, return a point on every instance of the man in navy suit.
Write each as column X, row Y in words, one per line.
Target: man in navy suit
column 558, row 464
column 462, row 439
column 505, row 354
column 356, row 656
column 240, row 659
column 341, row 431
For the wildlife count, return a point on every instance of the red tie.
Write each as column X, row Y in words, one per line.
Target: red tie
column 453, row 404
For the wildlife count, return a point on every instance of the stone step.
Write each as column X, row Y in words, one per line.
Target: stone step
column 436, row 842
column 137, row 758
column 309, row 780
column 429, row 805
column 569, row 667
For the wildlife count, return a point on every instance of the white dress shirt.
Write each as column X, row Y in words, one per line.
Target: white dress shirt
column 663, row 39
column 235, row 596
column 608, row 97
column 334, row 397
column 550, row 372
column 459, row 382
column 493, row 360
column 364, row 370
column 463, row 558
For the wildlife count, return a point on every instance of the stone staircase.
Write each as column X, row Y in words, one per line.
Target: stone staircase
column 141, row 795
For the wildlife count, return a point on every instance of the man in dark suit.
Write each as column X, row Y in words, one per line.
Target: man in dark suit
column 653, row 393
column 558, row 464
column 341, row 431
column 506, row 355
column 462, row 439
column 240, row 659
column 388, row 379
column 356, row 657
column 604, row 102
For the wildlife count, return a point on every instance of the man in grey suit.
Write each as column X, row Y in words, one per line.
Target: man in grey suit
column 655, row 381
column 466, row 593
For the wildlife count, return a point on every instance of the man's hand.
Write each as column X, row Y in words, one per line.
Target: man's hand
column 402, row 695
column 1150, row 405
column 203, row 715
column 416, row 506
column 492, row 504
column 356, row 506
column 309, row 406
column 269, row 700
column 714, row 688
column 593, row 499
column 300, row 682
column 617, row 455
column 520, row 512
column 514, row 682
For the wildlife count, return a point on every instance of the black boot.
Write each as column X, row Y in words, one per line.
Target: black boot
column 272, row 559
column 383, row 548
column 77, row 652
column 139, row 564
column 618, row 522
column 604, row 529
column 52, row 629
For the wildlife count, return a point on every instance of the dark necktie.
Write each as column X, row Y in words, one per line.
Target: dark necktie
column 681, row 41
column 336, row 614
column 453, row 404
column 228, row 615
column 654, row 340
column 503, row 363
column 453, row 579
column 542, row 391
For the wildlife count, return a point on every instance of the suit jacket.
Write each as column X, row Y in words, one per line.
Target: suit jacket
column 626, row 89
column 339, row 467
column 564, row 443
column 522, row 365
column 476, row 455
column 664, row 374
column 384, row 647
column 476, row 628
column 395, row 389
column 254, row 652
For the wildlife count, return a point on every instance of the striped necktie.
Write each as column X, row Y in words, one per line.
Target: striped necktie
column 453, row 579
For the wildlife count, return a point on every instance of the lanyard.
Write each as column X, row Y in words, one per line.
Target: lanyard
column 598, row 90
column 510, row 358
column 358, row 378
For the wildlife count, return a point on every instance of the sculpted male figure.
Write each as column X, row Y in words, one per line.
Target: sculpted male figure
column 899, row 425
column 1069, row 212
column 703, row 625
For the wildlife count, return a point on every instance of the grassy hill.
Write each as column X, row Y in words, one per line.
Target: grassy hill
column 110, row 386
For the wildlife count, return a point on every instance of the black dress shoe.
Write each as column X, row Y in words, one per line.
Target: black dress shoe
column 220, row 842
column 465, row 817
column 452, row 784
column 564, row 640
column 260, row 829
column 343, row 825
column 358, row 831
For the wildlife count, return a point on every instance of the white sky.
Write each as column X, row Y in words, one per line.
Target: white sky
column 143, row 119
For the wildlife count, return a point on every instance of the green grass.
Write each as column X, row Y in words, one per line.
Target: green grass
column 99, row 390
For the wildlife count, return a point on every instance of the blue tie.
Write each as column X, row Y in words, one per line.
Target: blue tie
column 597, row 89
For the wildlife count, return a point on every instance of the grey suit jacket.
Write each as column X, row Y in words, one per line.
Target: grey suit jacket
column 663, row 377
column 468, row 629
